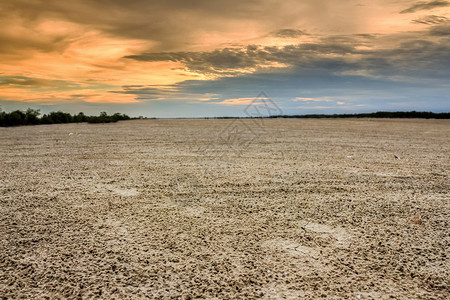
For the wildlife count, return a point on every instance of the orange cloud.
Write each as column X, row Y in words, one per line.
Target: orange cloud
column 95, row 58
column 93, row 96
column 83, row 56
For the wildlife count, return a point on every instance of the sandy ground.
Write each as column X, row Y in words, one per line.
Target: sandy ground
column 294, row 209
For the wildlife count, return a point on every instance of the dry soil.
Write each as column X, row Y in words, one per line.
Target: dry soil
column 226, row 209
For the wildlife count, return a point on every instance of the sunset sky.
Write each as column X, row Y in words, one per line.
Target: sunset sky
column 176, row 58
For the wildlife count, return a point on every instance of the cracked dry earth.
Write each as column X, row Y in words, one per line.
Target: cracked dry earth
column 226, row 209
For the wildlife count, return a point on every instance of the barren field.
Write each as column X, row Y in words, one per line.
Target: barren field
column 225, row 209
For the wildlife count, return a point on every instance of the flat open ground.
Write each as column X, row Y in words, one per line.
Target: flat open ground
column 358, row 209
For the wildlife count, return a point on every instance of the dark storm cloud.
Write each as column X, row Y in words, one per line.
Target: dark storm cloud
column 235, row 60
column 431, row 20
column 442, row 30
column 20, row 44
column 288, row 33
column 336, row 65
column 412, row 59
column 148, row 91
column 29, row 82
column 206, row 62
column 347, row 68
column 425, row 6
column 25, row 81
column 171, row 23
column 415, row 56
column 282, row 87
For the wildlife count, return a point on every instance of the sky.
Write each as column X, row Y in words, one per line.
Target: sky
column 203, row 58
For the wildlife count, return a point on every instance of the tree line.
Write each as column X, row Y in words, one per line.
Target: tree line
column 32, row 117
column 379, row 114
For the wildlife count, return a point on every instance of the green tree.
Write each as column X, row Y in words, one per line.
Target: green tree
column 60, row 117
column 81, row 117
column 15, row 118
column 31, row 116
column 46, row 119
column 2, row 117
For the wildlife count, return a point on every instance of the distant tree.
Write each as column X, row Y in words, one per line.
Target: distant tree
column 15, row 118
column 118, row 117
column 31, row 116
column 105, row 118
column 61, row 117
column 2, row 118
column 46, row 119
column 81, row 117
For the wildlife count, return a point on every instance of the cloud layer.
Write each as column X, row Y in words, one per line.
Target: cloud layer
column 213, row 56
column 425, row 6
